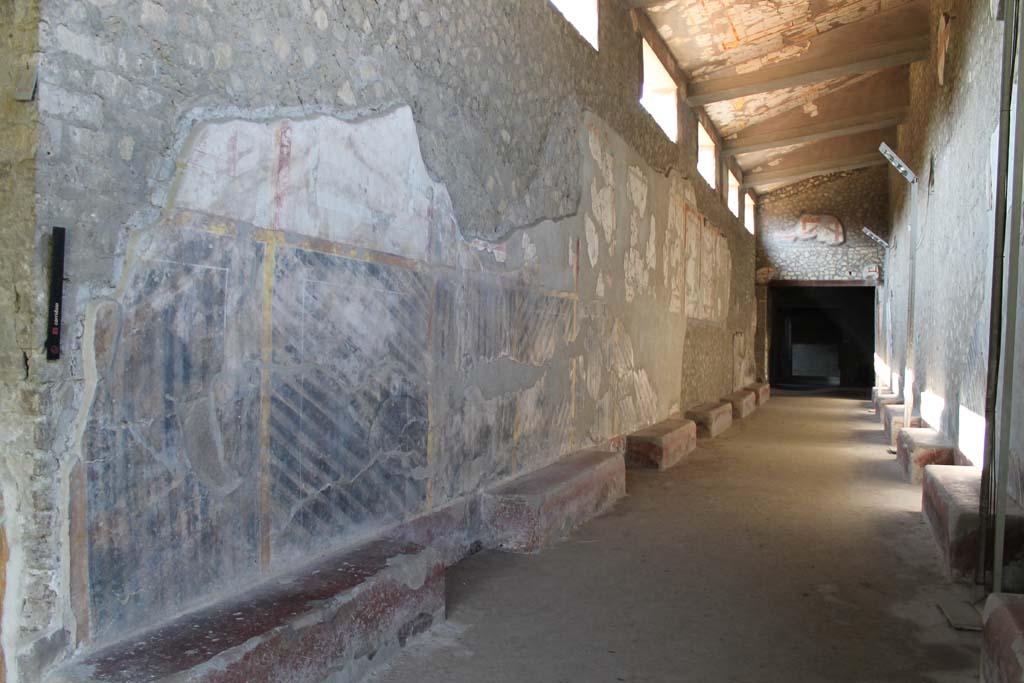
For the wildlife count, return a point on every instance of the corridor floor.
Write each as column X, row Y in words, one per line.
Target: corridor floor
column 789, row 549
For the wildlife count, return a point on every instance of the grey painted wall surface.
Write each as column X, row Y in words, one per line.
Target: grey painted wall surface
column 254, row 369
column 947, row 141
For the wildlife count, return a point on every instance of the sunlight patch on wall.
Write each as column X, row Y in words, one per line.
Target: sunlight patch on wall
column 932, row 407
column 971, row 440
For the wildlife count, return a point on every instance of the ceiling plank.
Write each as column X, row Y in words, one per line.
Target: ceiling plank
column 893, row 38
column 792, row 174
column 745, row 143
column 802, row 71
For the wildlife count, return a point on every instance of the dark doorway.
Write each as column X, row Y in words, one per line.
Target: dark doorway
column 823, row 337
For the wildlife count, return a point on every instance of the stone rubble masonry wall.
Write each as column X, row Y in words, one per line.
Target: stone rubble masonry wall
column 857, row 198
column 212, row 389
column 947, row 141
column 28, row 476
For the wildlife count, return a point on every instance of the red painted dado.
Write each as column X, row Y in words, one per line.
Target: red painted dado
column 762, row 392
column 535, row 510
column 712, row 418
column 662, row 445
column 950, row 501
column 917, row 448
column 1002, row 654
column 331, row 616
column 743, row 403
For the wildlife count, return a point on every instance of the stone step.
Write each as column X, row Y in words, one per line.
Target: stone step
column 743, row 403
column 762, row 390
column 538, row 509
column 335, row 619
column 950, row 500
column 892, row 422
column 1002, row 658
column 712, row 418
column 880, row 391
column 662, row 445
column 918, row 447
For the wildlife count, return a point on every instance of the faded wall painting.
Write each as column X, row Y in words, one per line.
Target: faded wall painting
column 825, row 230
column 709, row 270
column 304, row 350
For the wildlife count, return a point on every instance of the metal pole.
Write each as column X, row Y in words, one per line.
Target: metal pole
column 1009, row 328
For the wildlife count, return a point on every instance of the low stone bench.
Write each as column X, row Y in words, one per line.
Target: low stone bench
column 1002, row 639
column 662, row 445
column 762, row 392
column 883, row 400
column 892, row 422
column 335, row 619
column 918, row 447
column 743, row 403
column 712, row 418
column 537, row 509
column 950, row 500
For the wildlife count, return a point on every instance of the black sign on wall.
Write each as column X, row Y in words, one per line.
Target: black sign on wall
column 55, row 312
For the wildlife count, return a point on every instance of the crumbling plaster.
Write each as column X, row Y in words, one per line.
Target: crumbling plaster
column 497, row 99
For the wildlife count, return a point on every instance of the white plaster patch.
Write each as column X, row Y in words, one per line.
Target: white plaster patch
column 603, row 201
column 362, row 183
column 498, row 251
column 638, row 189
column 529, row 250
column 651, row 259
column 593, row 245
column 674, row 264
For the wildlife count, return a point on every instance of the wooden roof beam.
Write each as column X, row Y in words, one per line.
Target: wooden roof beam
column 792, row 174
column 758, row 142
column 802, row 71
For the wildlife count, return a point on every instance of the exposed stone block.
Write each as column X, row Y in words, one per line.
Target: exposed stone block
column 662, row 445
column 762, row 391
column 712, row 419
column 919, row 447
column 535, row 510
column 743, row 403
column 893, row 422
column 950, row 500
column 334, row 618
column 1002, row 639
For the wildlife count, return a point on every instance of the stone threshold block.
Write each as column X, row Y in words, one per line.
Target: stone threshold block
column 538, row 509
column 919, row 447
column 335, row 619
column 762, row 392
column 743, row 403
column 880, row 391
column 1002, row 639
column 662, row 445
column 950, row 499
column 712, row 418
column 893, row 422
